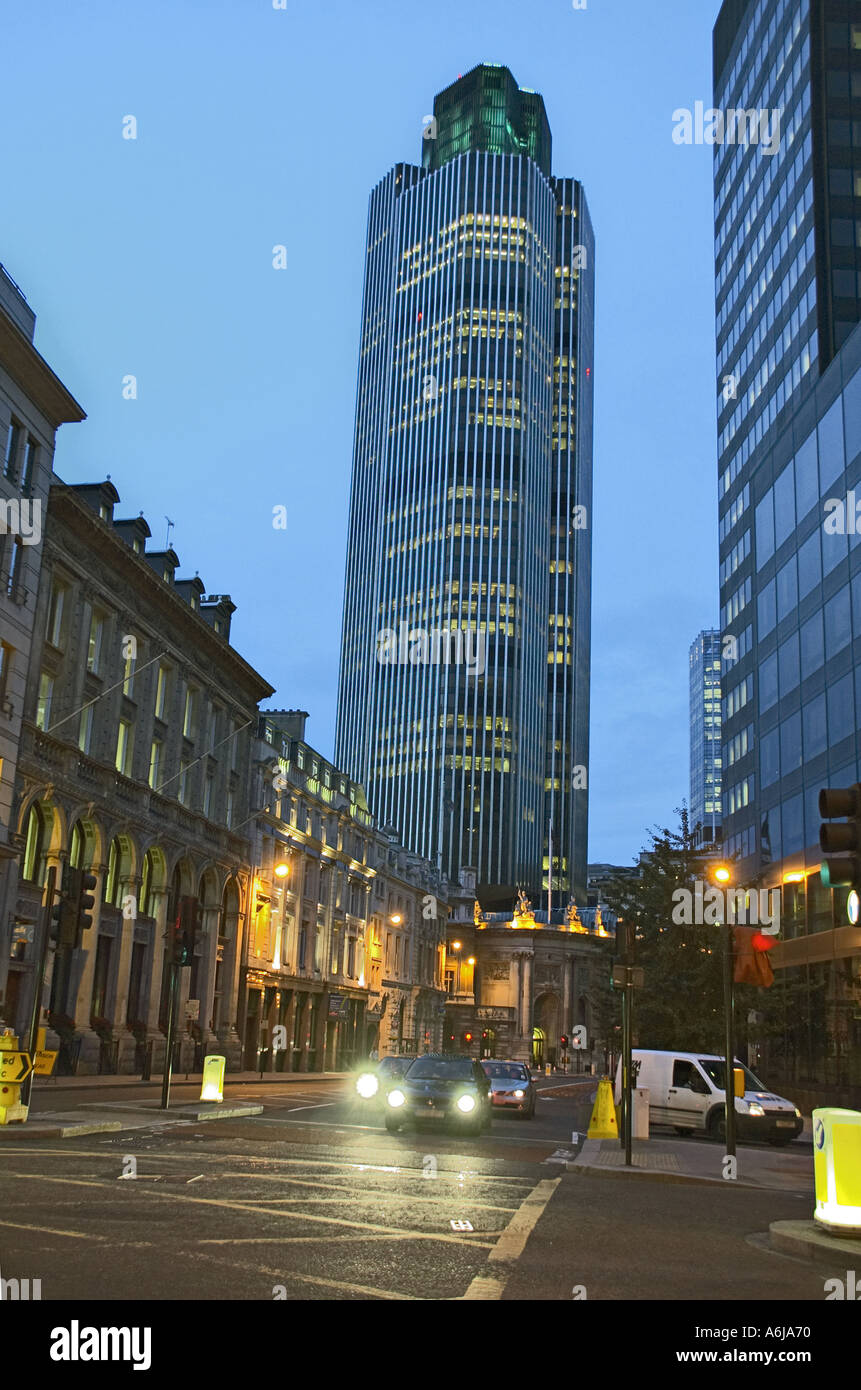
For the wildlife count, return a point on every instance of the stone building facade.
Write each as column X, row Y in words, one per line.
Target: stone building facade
column 138, row 727
column 345, row 942
column 33, row 403
column 517, row 983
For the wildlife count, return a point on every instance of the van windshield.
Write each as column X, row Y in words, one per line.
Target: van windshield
column 715, row 1069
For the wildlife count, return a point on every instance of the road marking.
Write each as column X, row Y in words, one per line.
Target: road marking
column 374, row 1193
column 312, row 1163
column 226, row 1205
column 283, row 1278
column 323, row 1105
column 52, row 1231
column 512, row 1242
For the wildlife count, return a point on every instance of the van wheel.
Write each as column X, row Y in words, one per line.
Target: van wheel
column 717, row 1124
column 392, row 1125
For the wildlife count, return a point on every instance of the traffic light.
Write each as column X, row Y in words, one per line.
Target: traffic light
column 84, row 902
column 184, row 930
column 63, row 915
column 563, row 1042
column 841, row 844
column 467, row 1040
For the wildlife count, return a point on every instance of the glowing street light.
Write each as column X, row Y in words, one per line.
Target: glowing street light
column 282, row 870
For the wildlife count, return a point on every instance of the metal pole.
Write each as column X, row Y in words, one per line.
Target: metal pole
column 171, row 1023
column 627, row 1039
column 729, row 1004
column 39, row 980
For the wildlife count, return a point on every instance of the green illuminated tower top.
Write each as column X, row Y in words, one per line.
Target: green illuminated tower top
column 486, row 110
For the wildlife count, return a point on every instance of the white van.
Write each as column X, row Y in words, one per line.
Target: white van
column 687, row 1091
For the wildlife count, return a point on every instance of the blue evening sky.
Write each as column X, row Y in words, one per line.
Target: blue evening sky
column 259, row 127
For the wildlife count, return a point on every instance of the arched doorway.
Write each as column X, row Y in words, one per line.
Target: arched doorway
column 547, row 1023
column 538, row 1041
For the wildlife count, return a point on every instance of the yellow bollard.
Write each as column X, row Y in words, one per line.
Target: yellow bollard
column 11, row 1109
column 213, row 1078
column 837, row 1170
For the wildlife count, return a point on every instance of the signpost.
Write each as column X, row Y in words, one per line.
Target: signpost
column 627, row 977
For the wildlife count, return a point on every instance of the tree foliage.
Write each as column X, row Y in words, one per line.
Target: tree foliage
column 681, row 1002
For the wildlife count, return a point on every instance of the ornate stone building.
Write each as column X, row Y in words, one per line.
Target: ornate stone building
column 516, row 983
column 134, row 765
column 345, row 943
column 33, row 403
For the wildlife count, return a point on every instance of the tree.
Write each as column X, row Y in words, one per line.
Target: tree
column 681, row 1002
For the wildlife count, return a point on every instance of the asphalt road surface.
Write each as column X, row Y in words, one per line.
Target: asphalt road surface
column 313, row 1199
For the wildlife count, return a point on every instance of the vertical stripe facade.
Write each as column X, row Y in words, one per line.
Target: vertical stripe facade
column 464, row 483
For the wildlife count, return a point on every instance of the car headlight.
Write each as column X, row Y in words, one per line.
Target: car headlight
column 466, row 1103
column 754, row 1109
column 518, row 1095
column 396, row 1098
column 367, row 1085
column 798, row 1114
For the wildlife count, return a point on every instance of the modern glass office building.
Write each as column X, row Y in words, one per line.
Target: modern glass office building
column 704, row 809
column 788, row 295
column 464, row 686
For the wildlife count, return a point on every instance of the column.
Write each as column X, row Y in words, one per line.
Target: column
column 155, row 1039
column 88, row 1058
column 125, row 944
column 567, row 996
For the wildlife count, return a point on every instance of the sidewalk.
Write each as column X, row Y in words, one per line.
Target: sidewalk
column 788, row 1169
column 45, row 1085
column 66, row 1108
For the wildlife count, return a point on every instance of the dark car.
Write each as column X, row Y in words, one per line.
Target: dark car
column 511, row 1087
column 374, row 1078
column 441, row 1090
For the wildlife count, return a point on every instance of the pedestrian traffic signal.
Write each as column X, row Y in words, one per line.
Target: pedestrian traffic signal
column 841, row 844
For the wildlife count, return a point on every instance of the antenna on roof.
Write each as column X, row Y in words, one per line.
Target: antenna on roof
column 170, row 526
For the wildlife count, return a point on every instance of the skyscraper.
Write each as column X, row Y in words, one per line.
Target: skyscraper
column 705, row 807
column 464, row 686
column 788, row 291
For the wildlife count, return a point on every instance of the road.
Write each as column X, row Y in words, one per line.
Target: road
column 310, row 1200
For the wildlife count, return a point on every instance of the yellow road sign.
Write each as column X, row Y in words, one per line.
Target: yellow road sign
column 15, row 1067
column 45, row 1063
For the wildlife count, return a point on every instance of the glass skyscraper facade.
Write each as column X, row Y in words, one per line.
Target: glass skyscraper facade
column 787, row 263
column 464, row 686
column 704, row 809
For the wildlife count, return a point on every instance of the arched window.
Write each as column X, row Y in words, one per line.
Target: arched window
column 35, row 843
column 112, row 876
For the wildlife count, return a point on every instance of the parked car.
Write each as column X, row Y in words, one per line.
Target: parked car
column 687, row 1091
column 441, row 1089
column 374, row 1078
column 511, row 1087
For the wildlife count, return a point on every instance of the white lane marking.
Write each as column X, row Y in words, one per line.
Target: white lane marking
column 263, row 1211
column 312, row 1163
column 52, row 1231
column 512, row 1242
column 280, row 1277
column 323, row 1105
column 348, row 1189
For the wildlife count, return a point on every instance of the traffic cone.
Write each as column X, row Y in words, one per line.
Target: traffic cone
column 603, row 1122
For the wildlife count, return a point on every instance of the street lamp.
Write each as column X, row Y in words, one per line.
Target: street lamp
column 722, row 874
column 282, row 870
column 395, row 919
column 456, row 945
